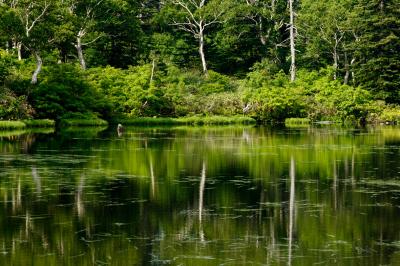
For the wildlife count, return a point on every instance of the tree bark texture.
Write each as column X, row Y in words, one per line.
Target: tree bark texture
column 201, row 52
column 79, row 50
column 292, row 43
column 39, row 63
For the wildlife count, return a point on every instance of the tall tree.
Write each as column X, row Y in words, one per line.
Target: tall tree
column 32, row 15
column 196, row 17
column 33, row 32
column 84, row 14
column 253, row 30
column 377, row 46
column 11, row 29
column 324, row 33
column 122, row 24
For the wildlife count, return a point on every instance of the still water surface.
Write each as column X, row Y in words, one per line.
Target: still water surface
column 201, row 196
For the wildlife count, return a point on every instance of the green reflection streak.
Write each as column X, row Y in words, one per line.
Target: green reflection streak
column 200, row 196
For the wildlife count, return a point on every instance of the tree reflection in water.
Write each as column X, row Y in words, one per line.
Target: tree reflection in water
column 201, row 196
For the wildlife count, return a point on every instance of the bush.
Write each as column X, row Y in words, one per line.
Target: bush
column 129, row 91
column 314, row 95
column 390, row 114
column 275, row 100
column 14, row 107
column 62, row 90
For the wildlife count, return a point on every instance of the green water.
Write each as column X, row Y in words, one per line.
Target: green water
column 201, row 196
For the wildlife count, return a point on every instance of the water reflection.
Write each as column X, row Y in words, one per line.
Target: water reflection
column 201, row 201
column 291, row 207
column 201, row 196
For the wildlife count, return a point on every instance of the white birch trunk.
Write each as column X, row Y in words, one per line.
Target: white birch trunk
column 153, row 66
column 335, row 63
column 79, row 50
column 335, row 54
column 263, row 39
column 352, row 72
column 19, row 51
column 292, row 44
column 347, row 69
column 201, row 51
column 39, row 64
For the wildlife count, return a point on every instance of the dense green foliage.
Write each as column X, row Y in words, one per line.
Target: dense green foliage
column 110, row 59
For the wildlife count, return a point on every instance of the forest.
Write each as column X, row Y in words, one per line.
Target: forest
column 332, row 60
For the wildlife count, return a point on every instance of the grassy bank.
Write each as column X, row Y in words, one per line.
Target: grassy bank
column 93, row 122
column 39, row 123
column 23, row 131
column 26, row 124
column 194, row 120
column 297, row 122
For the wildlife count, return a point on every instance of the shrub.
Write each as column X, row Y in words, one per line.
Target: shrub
column 14, row 107
column 129, row 91
column 390, row 114
column 63, row 89
column 314, row 95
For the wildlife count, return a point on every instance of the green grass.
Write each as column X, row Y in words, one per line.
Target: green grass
column 39, row 123
column 12, row 124
column 26, row 124
column 23, row 131
column 95, row 122
column 297, row 121
column 193, row 120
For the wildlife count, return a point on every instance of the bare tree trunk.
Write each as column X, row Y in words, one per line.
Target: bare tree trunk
column 79, row 50
column 292, row 44
column 201, row 51
column 263, row 39
column 19, row 50
column 352, row 72
column 39, row 63
column 153, row 66
column 335, row 57
column 335, row 63
column 347, row 69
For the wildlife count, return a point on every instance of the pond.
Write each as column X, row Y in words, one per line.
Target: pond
column 201, row 196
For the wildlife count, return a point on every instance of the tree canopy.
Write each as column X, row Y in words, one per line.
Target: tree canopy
column 355, row 42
